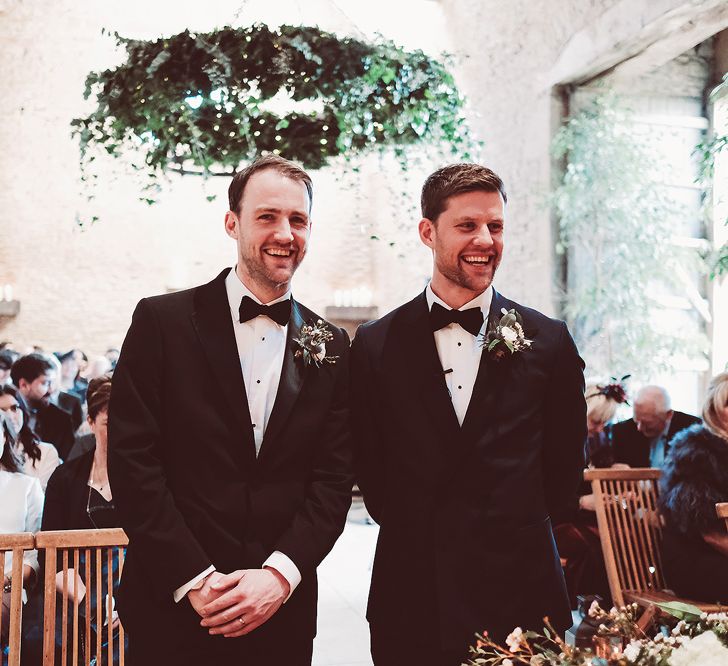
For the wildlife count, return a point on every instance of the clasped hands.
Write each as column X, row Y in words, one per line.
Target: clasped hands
column 251, row 594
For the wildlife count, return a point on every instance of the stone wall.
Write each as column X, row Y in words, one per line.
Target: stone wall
column 78, row 287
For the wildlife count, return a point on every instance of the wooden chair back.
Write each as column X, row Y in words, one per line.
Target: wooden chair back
column 14, row 545
column 86, row 552
column 629, row 530
column 722, row 510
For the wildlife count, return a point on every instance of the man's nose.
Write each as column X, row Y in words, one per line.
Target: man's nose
column 283, row 233
column 483, row 238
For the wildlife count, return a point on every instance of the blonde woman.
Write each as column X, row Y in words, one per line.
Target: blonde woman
column 695, row 478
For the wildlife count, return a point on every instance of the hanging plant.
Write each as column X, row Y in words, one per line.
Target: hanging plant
column 208, row 103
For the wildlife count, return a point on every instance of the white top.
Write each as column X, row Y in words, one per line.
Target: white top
column 460, row 351
column 21, row 510
column 43, row 468
column 261, row 344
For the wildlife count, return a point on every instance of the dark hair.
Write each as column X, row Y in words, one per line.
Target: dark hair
column 29, row 368
column 457, row 179
column 97, row 396
column 276, row 163
column 6, row 359
column 9, row 460
column 28, row 439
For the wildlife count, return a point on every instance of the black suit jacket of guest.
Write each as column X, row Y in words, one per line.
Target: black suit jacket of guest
column 66, row 496
column 465, row 536
column 55, row 425
column 633, row 448
column 187, row 485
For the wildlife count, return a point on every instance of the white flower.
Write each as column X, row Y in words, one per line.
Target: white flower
column 515, row 639
column 509, row 334
column 632, row 651
column 507, row 662
column 704, row 649
column 594, row 609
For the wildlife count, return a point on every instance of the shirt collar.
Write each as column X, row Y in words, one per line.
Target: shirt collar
column 481, row 301
column 236, row 290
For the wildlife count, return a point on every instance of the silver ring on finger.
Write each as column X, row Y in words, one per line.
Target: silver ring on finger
column 240, row 619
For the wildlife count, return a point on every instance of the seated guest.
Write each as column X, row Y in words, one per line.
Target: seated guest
column 6, row 362
column 578, row 541
column 79, row 497
column 67, row 400
column 37, row 458
column 33, row 375
column 695, row 541
column 20, row 511
column 642, row 440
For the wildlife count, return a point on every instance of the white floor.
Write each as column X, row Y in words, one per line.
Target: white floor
column 343, row 632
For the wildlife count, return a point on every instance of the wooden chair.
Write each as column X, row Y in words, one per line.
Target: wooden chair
column 722, row 510
column 86, row 552
column 630, row 530
column 15, row 544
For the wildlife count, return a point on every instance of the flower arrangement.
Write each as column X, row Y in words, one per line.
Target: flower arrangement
column 311, row 344
column 506, row 337
column 695, row 638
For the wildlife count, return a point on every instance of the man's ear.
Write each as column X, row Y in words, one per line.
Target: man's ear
column 231, row 224
column 427, row 232
column 23, row 385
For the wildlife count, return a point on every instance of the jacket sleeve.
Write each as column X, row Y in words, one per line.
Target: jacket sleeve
column 564, row 431
column 369, row 461
column 318, row 524
column 160, row 540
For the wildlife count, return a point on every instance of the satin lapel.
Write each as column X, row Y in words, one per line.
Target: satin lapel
column 488, row 383
column 413, row 355
column 293, row 374
column 213, row 323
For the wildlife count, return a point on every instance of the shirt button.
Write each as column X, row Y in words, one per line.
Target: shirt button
column 254, row 425
column 263, row 339
column 459, row 387
column 257, row 381
column 460, row 344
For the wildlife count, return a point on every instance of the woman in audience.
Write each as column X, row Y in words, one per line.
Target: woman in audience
column 20, row 511
column 79, row 497
column 578, row 541
column 695, row 478
column 38, row 459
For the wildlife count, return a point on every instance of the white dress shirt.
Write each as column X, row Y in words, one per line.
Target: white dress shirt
column 460, row 351
column 261, row 344
column 21, row 510
column 43, row 468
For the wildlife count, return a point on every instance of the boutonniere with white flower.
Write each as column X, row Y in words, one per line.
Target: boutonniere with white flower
column 505, row 337
column 311, row 343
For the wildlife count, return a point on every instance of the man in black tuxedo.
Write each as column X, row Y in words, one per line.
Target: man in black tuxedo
column 464, row 458
column 33, row 375
column 643, row 440
column 229, row 450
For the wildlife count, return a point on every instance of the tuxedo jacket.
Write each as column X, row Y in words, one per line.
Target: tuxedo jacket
column 187, row 485
column 465, row 540
column 633, row 448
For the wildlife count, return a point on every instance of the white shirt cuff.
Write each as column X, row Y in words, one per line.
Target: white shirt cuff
column 286, row 568
column 180, row 592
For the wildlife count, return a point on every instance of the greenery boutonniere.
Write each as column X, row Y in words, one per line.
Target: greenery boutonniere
column 506, row 337
column 311, row 342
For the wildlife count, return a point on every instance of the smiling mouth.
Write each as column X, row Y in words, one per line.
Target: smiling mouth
column 276, row 252
column 477, row 260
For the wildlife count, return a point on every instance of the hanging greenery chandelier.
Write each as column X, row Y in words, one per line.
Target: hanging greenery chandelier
column 209, row 103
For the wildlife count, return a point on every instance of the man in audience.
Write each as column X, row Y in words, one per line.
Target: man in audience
column 33, row 374
column 642, row 440
column 6, row 362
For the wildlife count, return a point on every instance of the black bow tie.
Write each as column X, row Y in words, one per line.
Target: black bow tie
column 471, row 319
column 279, row 312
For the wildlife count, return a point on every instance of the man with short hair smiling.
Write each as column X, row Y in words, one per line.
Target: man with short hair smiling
column 229, row 450
column 463, row 452
column 642, row 441
column 33, row 375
